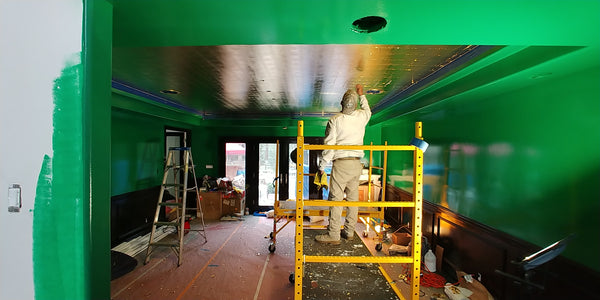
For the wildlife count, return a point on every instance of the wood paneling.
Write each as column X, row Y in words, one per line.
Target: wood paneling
column 478, row 249
column 132, row 214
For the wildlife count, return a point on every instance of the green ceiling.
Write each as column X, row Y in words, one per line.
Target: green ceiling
column 151, row 23
column 280, row 59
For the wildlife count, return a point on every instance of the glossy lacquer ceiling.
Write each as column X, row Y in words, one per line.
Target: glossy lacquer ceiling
column 278, row 59
column 282, row 80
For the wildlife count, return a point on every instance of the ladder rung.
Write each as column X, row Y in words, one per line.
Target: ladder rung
column 180, row 166
column 179, row 204
column 176, row 224
column 172, row 184
column 163, row 244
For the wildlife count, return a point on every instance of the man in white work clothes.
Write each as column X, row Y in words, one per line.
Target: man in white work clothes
column 344, row 128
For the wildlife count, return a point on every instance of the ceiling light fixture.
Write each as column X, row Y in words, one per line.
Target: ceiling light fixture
column 369, row 24
column 170, row 92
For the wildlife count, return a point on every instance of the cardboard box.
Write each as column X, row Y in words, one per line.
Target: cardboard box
column 401, row 238
column 211, row 205
column 233, row 203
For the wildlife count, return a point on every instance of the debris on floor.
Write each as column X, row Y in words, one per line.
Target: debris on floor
column 231, row 218
column 397, row 250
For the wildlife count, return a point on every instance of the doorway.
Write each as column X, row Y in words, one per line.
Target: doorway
column 267, row 173
column 256, row 157
column 235, row 164
column 176, row 137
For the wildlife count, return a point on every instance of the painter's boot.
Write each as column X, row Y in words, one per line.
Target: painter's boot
column 347, row 236
column 327, row 239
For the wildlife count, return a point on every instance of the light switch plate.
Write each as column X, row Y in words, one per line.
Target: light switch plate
column 14, row 198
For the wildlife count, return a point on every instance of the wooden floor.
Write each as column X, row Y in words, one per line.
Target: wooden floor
column 234, row 263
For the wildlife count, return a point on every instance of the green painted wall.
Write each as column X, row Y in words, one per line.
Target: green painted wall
column 522, row 158
column 137, row 151
column 138, row 145
column 137, row 140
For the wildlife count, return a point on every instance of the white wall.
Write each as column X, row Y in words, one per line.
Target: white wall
column 37, row 38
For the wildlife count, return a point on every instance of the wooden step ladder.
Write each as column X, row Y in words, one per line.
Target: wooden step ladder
column 183, row 213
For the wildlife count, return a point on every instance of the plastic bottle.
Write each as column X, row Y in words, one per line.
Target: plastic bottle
column 430, row 261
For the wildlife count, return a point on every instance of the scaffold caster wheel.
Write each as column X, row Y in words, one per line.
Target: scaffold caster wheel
column 271, row 235
column 365, row 233
column 292, row 278
column 378, row 247
column 271, row 247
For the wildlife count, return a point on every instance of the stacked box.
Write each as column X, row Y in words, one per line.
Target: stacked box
column 401, row 238
column 233, row 203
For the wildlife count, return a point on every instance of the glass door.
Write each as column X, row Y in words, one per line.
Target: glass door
column 255, row 158
column 235, row 164
column 311, row 166
column 292, row 172
column 267, row 153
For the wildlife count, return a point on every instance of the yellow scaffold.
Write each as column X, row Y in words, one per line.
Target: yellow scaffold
column 414, row 259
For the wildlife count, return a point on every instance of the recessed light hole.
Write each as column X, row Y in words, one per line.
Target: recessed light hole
column 369, row 24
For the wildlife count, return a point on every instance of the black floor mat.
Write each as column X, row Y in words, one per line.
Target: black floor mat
column 342, row 280
column 121, row 264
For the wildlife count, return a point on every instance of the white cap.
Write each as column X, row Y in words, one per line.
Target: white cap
column 349, row 102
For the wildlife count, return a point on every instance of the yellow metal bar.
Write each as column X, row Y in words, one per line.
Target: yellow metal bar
column 367, row 225
column 299, row 244
column 315, row 226
column 358, row 259
column 392, row 283
column 380, row 233
column 359, row 203
column 370, row 171
column 417, row 217
column 361, row 147
column 275, row 220
column 384, row 175
column 277, row 172
column 275, row 232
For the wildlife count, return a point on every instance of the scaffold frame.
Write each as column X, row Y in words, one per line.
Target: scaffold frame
column 417, row 204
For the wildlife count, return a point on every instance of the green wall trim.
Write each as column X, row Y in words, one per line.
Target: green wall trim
column 96, row 139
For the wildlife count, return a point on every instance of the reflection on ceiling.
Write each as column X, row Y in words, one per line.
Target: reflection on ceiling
column 276, row 80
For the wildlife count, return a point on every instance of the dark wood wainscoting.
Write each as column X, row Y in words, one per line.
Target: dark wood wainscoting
column 475, row 248
column 131, row 214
